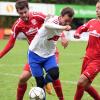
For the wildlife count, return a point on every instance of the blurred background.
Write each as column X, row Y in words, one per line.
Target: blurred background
column 84, row 10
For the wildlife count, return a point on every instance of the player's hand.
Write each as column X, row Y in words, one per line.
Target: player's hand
column 64, row 42
column 67, row 27
column 76, row 35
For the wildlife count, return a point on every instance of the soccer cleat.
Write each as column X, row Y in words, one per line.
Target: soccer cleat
column 48, row 88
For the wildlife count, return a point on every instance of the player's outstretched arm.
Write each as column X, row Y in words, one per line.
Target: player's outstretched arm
column 56, row 26
column 8, row 46
column 81, row 29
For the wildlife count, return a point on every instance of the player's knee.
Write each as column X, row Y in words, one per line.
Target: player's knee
column 80, row 83
column 40, row 81
column 24, row 77
column 54, row 73
column 22, row 80
column 83, row 81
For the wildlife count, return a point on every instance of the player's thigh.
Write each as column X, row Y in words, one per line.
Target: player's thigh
column 86, row 61
column 83, row 81
column 25, row 76
column 92, row 69
column 50, row 63
column 57, row 55
column 36, row 69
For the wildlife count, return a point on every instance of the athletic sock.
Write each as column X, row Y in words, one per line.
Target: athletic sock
column 58, row 89
column 79, row 93
column 93, row 93
column 21, row 90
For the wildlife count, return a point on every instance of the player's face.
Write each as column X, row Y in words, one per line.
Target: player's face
column 65, row 20
column 24, row 14
column 98, row 10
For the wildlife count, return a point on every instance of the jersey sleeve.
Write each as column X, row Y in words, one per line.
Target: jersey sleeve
column 15, row 29
column 11, row 41
column 8, row 46
column 52, row 23
column 83, row 28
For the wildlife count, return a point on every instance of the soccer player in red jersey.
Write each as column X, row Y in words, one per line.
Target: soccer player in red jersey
column 29, row 23
column 91, row 62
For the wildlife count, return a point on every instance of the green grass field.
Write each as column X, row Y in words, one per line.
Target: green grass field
column 12, row 64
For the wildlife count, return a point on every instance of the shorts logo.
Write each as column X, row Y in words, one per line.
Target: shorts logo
column 88, row 73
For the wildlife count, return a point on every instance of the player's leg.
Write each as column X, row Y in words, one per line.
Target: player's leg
column 90, row 90
column 93, row 92
column 93, row 70
column 36, row 67
column 37, row 73
column 52, row 71
column 22, row 84
column 85, row 80
column 57, row 84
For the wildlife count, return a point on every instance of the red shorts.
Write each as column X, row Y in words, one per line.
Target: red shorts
column 27, row 66
column 90, row 68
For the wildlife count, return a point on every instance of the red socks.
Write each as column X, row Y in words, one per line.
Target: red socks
column 93, row 93
column 79, row 93
column 21, row 90
column 58, row 89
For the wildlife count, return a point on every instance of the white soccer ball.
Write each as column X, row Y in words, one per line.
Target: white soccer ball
column 36, row 93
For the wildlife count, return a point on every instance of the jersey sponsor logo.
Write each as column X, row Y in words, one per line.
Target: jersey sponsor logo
column 94, row 33
column 32, row 31
column 34, row 22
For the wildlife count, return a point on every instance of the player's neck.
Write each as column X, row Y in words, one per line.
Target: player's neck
column 98, row 18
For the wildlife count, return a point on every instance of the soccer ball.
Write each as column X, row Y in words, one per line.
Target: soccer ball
column 36, row 93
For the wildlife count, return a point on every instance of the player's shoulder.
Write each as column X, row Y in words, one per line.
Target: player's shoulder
column 54, row 19
column 36, row 14
column 17, row 22
column 92, row 20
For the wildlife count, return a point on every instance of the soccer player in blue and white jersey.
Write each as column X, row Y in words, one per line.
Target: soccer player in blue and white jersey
column 41, row 54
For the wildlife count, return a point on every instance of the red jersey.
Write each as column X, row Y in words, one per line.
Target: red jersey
column 29, row 28
column 93, row 47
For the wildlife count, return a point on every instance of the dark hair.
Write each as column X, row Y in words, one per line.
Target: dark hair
column 98, row 1
column 67, row 10
column 20, row 4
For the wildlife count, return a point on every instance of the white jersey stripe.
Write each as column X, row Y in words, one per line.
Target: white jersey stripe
column 16, row 26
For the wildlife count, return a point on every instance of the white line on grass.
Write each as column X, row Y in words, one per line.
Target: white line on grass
column 63, row 81
column 14, row 65
column 8, row 74
column 11, row 65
